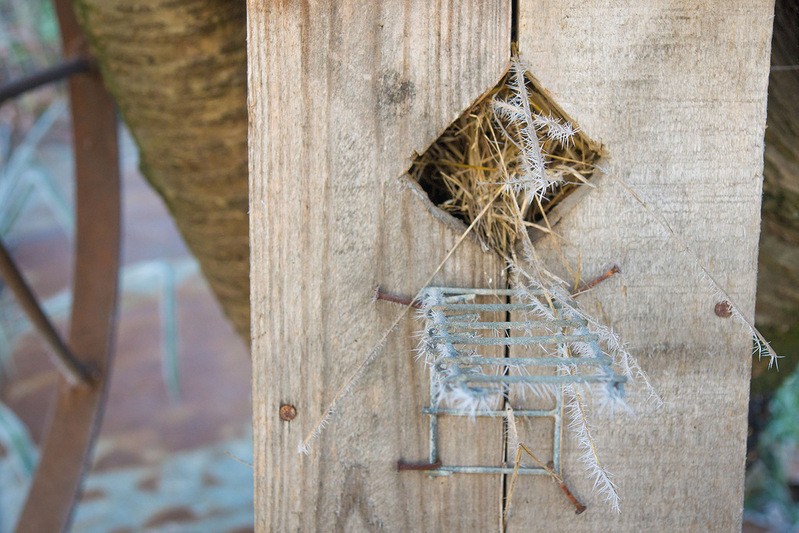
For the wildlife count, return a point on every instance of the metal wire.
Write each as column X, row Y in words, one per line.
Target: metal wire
column 458, row 311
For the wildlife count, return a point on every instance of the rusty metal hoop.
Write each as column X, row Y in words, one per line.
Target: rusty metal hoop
column 75, row 420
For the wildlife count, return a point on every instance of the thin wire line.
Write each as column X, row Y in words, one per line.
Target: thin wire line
column 360, row 370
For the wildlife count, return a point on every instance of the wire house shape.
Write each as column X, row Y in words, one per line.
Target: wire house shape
column 465, row 383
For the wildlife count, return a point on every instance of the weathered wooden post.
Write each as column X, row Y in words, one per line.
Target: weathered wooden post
column 343, row 95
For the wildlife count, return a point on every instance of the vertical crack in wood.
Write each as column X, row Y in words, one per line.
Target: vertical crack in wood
column 514, row 27
column 505, row 440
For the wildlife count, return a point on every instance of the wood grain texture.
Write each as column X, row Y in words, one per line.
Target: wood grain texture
column 341, row 95
column 676, row 92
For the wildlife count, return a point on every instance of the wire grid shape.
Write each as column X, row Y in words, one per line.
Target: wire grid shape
column 453, row 322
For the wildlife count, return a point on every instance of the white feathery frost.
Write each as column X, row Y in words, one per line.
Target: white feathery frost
column 449, row 387
column 551, row 301
column 541, row 391
column 581, row 428
column 534, row 180
column 512, row 431
column 569, row 309
column 556, row 129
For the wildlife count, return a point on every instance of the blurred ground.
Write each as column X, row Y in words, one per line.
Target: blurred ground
column 178, row 413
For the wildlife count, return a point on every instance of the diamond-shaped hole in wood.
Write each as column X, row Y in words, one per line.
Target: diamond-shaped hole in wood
column 462, row 170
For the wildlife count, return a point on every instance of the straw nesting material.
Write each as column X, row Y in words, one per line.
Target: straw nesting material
column 463, row 170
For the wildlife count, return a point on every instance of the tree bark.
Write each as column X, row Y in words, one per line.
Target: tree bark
column 778, row 278
column 178, row 73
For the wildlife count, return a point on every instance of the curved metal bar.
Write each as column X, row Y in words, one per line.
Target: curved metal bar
column 67, row 447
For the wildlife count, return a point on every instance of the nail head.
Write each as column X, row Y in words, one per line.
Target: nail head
column 723, row 309
column 287, row 412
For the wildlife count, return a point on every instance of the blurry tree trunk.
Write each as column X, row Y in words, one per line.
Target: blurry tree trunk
column 177, row 71
column 778, row 276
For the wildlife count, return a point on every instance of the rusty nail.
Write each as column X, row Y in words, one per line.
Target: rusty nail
column 723, row 309
column 287, row 412
column 380, row 295
column 596, row 281
column 579, row 507
column 402, row 465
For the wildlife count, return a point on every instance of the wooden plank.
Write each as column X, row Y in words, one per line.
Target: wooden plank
column 676, row 91
column 341, row 96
